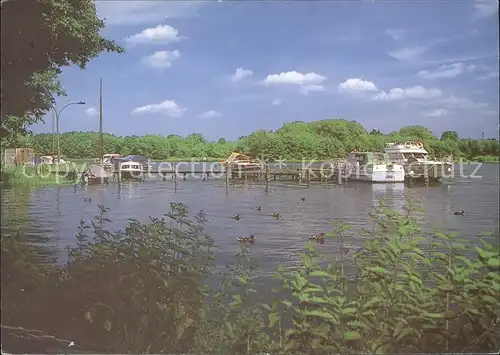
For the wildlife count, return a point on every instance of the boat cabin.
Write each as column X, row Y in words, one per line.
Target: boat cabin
column 402, row 152
column 366, row 158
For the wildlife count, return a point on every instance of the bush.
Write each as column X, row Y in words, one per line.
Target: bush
column 144, row 289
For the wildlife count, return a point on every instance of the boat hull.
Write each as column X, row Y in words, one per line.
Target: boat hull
column 378, row 174
column 95, row 180
column 431, row 170
column 131, row 174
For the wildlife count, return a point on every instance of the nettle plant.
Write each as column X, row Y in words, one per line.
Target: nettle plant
column 411, row 292
column 140, row 289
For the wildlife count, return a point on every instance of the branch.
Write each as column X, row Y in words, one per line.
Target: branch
column 34, row 334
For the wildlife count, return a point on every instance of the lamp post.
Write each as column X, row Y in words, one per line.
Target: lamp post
column 57, row 129
column 58, row 114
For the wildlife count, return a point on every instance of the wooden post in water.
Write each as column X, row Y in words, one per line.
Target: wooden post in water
column 267, row 177
column 339, row 174
column 308, row 176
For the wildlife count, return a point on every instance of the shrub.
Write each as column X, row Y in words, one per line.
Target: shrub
column 144, row 289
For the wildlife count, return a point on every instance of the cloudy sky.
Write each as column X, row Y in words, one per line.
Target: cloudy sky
column 225, row 69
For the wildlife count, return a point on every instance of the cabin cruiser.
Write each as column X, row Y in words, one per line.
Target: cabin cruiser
column 373, row 167
column 240, row 162
column 131, row 167
column 416, row 161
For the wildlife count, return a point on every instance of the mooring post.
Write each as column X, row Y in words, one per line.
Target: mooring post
column 308, row 176
column 339, row 174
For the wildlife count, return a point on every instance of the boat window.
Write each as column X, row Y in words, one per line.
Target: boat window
column 379, row 156
column 126, row 166
column 420, row 155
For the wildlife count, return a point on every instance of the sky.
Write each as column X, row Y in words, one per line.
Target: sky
column 225, row 69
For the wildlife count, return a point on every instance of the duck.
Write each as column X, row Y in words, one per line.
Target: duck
column 258, row 208
column 275, row 215
column 87, row 199
column 461, row 213
column 236, row 217
column 319, row 236
column 249, row 239
column 303, row 199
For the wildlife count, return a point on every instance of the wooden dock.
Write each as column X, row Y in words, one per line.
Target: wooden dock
column 302, row 175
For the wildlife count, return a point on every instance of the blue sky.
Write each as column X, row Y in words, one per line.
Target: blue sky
column 225, row 69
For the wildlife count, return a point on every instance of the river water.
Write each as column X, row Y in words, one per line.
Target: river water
column 49, row 216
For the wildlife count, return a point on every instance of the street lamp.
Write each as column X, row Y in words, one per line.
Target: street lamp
column 57, row 125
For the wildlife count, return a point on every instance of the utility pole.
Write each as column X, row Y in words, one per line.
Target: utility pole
column 101, row 138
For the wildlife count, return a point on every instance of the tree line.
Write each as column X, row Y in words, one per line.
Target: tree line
column 323, row 139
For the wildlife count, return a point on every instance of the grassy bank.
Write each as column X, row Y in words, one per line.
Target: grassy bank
column 143, row 290
column 37, row 176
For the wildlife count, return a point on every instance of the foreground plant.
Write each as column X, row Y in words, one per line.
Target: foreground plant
column 144, row 290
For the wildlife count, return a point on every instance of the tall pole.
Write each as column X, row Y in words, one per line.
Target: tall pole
column 53, row 132
column 101, row 138
column 57, row 130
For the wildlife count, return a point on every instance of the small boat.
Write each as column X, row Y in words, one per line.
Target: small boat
column 416, row 162
column 49, row 159
column 95, row 174
column 373, row 167
column 241, row 162
column 131, row 167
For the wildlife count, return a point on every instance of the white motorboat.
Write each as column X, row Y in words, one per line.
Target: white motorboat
column 415, row 159
column 373, row 167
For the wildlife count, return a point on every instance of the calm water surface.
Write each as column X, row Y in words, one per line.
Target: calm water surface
column 50, row 215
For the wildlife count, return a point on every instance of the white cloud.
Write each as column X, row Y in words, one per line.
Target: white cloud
column 241, row 74
column 413, row 93
column 276, row 102
column 91, row 111
column 168, row 107
column 485, row 8
column 444, row 71
column 439, row 112
column 294, row 78
column 407, row 52
column 356, row 85
column 161, row 59
column 210, row 114
column 133, row 13
column 160, row 34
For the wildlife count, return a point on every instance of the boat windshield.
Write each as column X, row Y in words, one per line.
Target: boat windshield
column 415, row 155
column 379, row 157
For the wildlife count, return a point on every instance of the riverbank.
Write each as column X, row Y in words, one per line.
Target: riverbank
column 398, row 293
column 41, row 175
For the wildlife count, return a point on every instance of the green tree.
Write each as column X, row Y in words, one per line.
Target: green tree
column 449, row 135
column 38, row 39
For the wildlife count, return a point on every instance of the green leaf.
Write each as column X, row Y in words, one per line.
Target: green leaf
column 273, row 318
column 490, row 299
column 349, row 310
column 319, row 273
column 352, row 336
column 379, row 270
column 494, row 262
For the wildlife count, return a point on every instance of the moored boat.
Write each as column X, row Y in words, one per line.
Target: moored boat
column 416, row 162
column 241, row 162
column 95, row 174
column 373, row 167
column 131, row 167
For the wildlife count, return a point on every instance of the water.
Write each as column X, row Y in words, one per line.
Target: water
column 50, row 216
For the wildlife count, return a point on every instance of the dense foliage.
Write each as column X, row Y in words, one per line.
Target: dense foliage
column 38, row 38
column 317, row 140
column 143, row 290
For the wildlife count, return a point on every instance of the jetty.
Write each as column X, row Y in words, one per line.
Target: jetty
column 335, row 173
